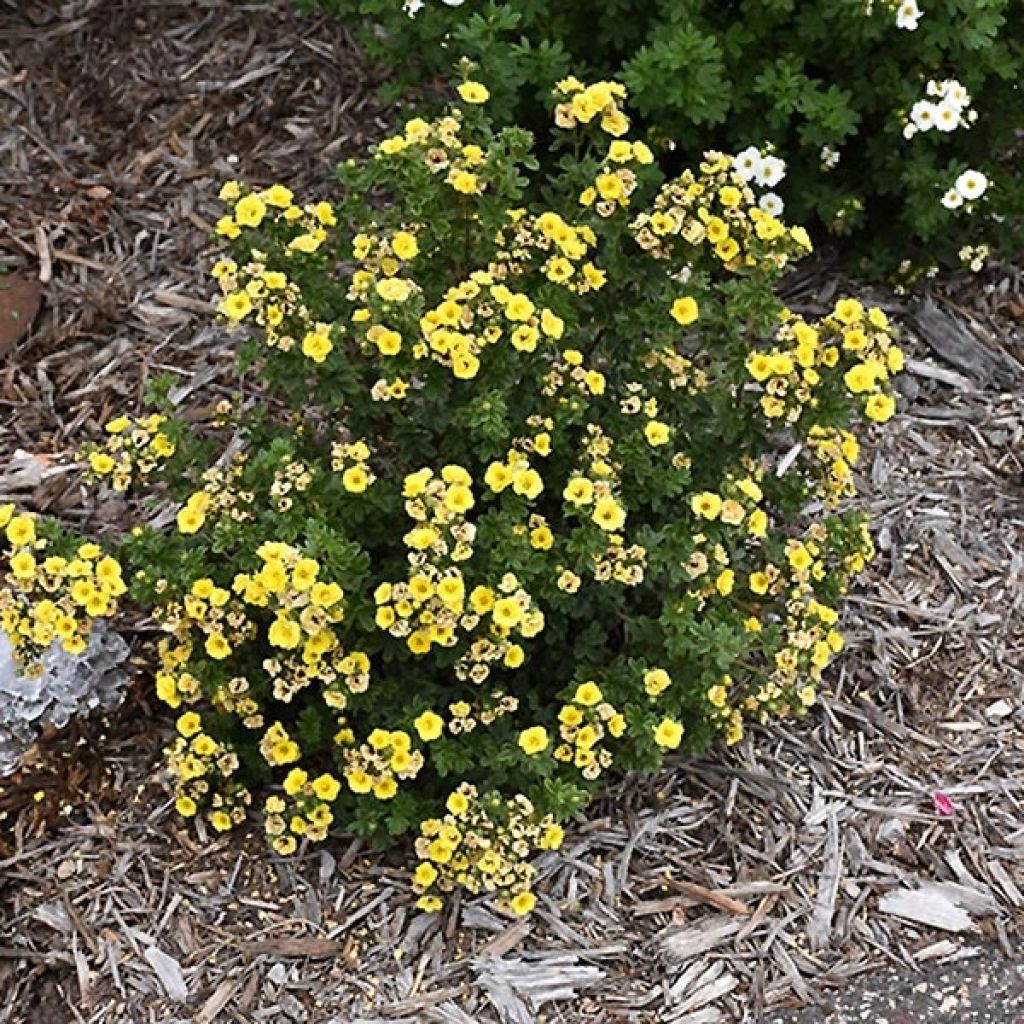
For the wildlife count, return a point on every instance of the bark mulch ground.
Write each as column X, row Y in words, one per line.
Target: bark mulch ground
column 730, row 888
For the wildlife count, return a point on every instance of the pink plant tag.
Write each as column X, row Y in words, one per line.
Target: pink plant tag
column 943, row 805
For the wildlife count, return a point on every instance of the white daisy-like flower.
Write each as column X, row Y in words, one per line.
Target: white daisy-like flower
column 952, row 199
column 748, row 163
column 947, row 116
column 909, row 130
column 773, row 170
column 908, row 14
column 957, row 94
column 923, row 115
column 971, row 185
column 771, row 203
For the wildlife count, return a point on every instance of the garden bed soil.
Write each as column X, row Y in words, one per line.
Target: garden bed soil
column 732, row 887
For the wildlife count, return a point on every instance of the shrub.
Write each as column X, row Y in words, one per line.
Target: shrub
column 501, row 502
column 829, row 86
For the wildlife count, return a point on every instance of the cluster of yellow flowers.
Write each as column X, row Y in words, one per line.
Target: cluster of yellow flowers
column 582, row 434
column 273, row 206
column 792, row 370
column 220, row 496
column 48, row 597
column 133, row 451
column 275, row 303
column 583, row 724
column 438, row 147
column 585, row 103
column 204, row 771
column 309, row 815
column 717, row 209
column 374, row 767
column 482, row 845
column 836, row 451
column 303, row 611
column 350, row 460
column 561, row 249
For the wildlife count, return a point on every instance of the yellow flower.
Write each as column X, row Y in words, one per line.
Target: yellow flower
column 588, row 694
column 668, row 734
column 226, row 227
column 522, row 903
column 425, row 874
column 717, row 695
column 316, row 346
column 101, row 463
column 579, row 491
column 465, row 182
column 278, row 195
column 185, row 806
column 429, row 726
column 880, row 408
column 23, row 566
column 250, row 211
column 725, row 582
column 528, row 483
column 684, row 310
column 229, row 191
column 221, row 820
column 859, row 378
column 217, row 647
column 326, row 787
column 459, row 498
column 285, row 633
column 608, row 514
column 707, row 504
column 355, row 479
column 305, row 242
column 519, row 307
column 404, row 245
column 514, row 656
column 507, row 612
column 849, row 311
column 189, row 724
column 385, row 789
column 21, row 530
column 730, row 196
column 457, row 803
column 657, row 433
column 541, row 538
column 533, row 740
column 473, row 92
column 190, row 519
column 656, row 681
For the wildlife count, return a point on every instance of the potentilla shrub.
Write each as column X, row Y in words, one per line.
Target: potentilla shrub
column 512, row 495
column 898, row 122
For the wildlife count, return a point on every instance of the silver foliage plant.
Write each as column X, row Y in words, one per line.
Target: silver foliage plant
column 67, row 687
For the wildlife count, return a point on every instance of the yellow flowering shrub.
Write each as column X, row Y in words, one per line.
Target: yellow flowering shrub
column 504, row 504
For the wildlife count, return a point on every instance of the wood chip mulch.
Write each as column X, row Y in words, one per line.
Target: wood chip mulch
column 885, row 830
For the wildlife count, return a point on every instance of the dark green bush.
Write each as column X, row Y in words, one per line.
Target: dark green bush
column 802, row 78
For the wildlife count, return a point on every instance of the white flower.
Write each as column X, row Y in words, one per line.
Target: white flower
column 908, row 14
column 748, row 163
column 772, row 204
column 947, row 116
column 909, row 130
column 923, row 114
column 412, row 7
column 453, row 3
column 773, row 170
column 971, row 185
column 829, row 157
column 952, row 199
column 957, row 94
